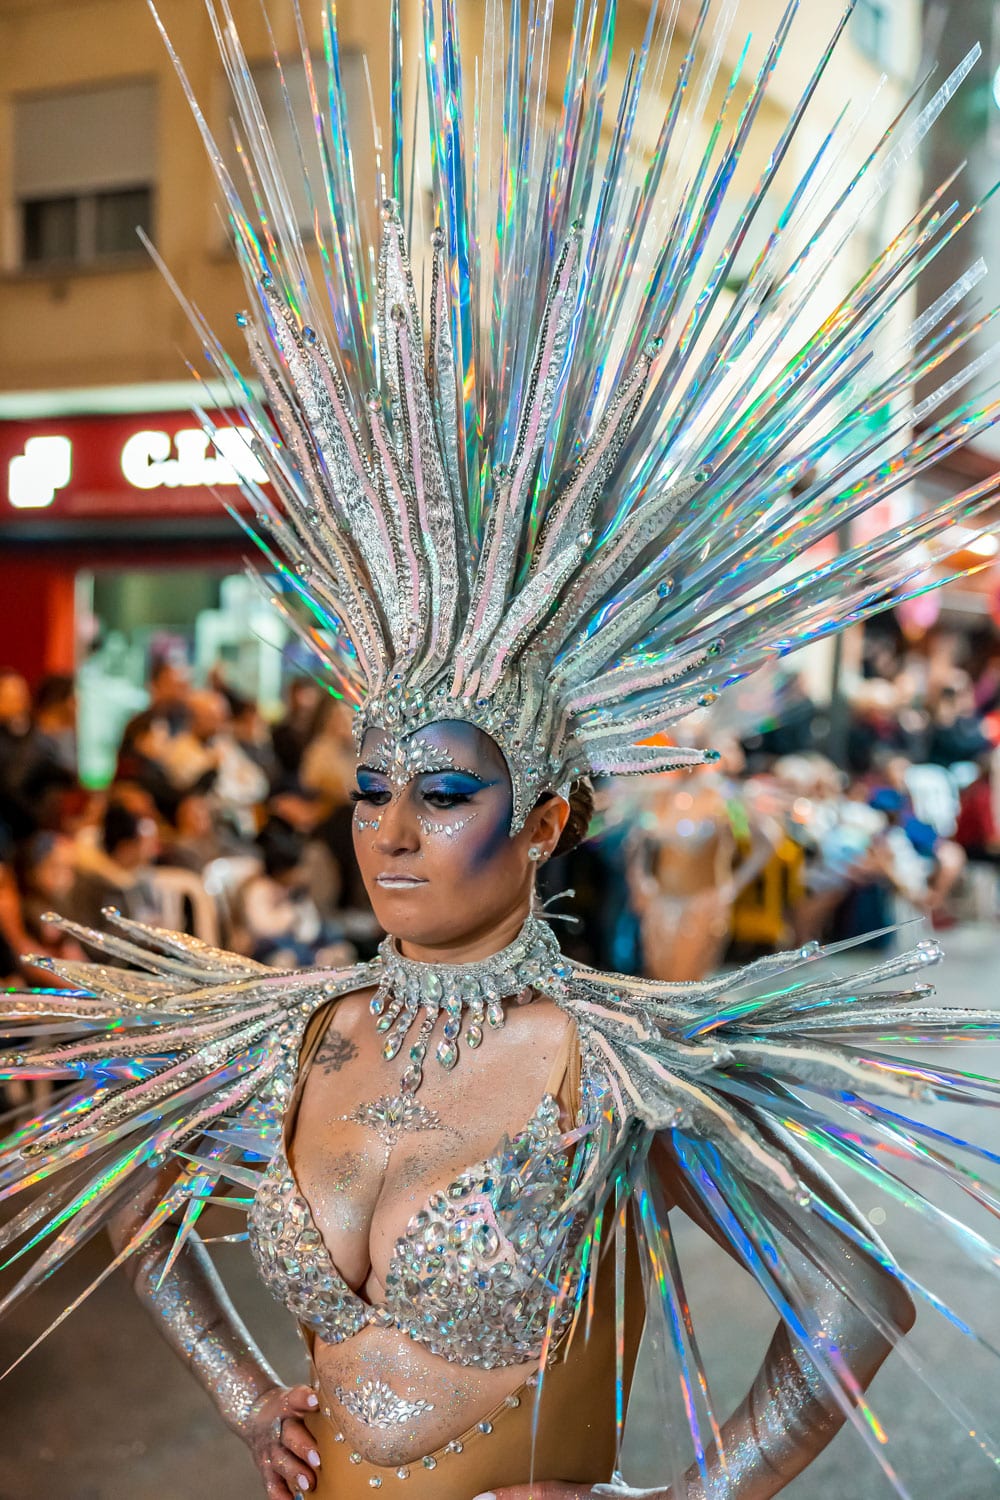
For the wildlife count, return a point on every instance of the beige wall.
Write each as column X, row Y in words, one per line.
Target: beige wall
column 123, row 325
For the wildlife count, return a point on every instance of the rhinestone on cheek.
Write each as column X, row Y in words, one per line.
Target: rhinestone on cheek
column 402, row 1473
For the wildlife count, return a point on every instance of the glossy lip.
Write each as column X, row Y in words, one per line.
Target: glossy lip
column 398, row 882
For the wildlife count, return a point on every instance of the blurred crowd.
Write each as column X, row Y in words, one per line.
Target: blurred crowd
column 216, row 822
column 807, row 830
column 238, row 830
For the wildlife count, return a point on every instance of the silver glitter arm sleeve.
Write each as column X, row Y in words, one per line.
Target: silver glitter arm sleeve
column 790, row 1413
column 195, row 1316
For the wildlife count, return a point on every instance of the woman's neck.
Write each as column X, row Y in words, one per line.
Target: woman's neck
column 472, row 946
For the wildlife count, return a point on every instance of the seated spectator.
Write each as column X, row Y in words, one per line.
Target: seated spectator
column 205, row 754
column 956, row 732
column 875, row 724
column 836, row 830
column 280, row 917
column 329, row 761
column 46, row 871
column 244, row 774
column 118, row 871
column 143, row 761
column 977, row 831
column 50, row 767
column 169, row 688
column 297, row 807
column 194, row 838
column 911, row 861
column 292, row 734
column 192, row 753
column 251, row 734
column 16, row 814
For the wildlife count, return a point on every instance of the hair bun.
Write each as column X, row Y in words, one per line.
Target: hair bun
column 581, row 811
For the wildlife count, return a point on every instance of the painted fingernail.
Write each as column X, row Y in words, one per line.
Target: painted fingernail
column 312, row 1400
column 314, row 1458
column 303, row 1482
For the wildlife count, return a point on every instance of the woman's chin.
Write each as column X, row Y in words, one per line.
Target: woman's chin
column 421, row 929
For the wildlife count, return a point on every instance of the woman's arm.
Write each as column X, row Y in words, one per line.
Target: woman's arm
column 789, row 1414
column 193, row 1313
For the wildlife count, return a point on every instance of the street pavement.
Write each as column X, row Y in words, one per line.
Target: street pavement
column 103, row 1411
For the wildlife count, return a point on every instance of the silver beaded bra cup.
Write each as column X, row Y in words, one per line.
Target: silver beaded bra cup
column 408, row 990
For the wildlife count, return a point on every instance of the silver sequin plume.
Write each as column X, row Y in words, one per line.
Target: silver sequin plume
column 567, row 499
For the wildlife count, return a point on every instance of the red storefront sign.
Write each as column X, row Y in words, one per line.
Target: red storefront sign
column 133, row 467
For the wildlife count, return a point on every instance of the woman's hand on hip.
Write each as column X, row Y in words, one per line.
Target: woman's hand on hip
column 281, row 1444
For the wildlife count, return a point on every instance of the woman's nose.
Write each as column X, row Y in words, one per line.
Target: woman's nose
column 398, row 831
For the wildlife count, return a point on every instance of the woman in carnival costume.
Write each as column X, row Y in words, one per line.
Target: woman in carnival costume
column 526, row 539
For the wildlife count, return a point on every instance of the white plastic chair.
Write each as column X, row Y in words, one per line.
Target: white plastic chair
column 935, row 798
column 173, row 888
column 223, row 880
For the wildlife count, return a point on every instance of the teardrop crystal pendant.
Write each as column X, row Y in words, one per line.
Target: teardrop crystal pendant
column 472, row 993
column 447, row 1054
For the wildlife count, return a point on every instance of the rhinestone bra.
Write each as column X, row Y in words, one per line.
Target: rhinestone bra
column 468, row 1279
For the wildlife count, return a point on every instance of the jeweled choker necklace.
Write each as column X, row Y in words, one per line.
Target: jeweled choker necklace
column 408, row 989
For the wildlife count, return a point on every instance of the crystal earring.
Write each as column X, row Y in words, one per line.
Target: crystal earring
column 535, row 853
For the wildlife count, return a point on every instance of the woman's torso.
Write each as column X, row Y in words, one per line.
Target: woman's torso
column 682, row 883
column 406, row 1366
column 692, row 845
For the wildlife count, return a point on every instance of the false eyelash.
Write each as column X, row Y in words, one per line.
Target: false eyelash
column 357, row 796
column 444, row 801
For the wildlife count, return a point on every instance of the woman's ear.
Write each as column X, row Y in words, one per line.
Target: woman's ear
column 544, row 826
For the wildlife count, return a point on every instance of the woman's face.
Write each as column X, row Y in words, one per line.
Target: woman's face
column 432, row 836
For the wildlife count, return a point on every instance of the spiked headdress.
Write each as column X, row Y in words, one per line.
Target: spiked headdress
column 567, row 510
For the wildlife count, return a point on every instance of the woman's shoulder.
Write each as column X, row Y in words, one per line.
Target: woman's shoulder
column 344, row 994
column 582, row 978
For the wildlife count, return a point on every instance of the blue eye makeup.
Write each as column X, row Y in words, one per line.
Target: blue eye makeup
column 371, row 787
column 451, row 784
